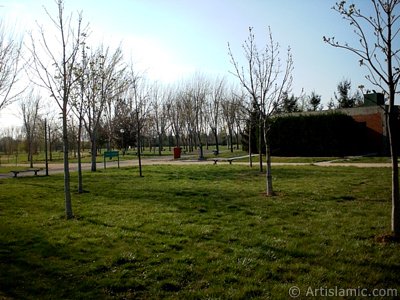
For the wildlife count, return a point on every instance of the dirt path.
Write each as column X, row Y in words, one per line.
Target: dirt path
column 58, row 168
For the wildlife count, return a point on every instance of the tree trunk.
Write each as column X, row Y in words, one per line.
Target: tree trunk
column 30, row 152
column 260, row 144
column 160, row 146
column 237, row 139
column 139, row 146
column 80, row 180
column 201, row 153
column 231, row 139
column 46, row 148
column 393, row 140
column 393, row 134
column 214, row 130
column 250, row 150
column 67, row 191
column 94, row 152
column 177, row 141
column 269, row 189
column 50, row 146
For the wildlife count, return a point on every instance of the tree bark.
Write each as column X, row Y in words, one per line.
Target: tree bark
column 80, row 180
column 201, row 152
column 393, row 142
column 269, row 188
column 30, row 156
column 67, row 191
column 250, row 150
column 231, row 139
column 393, row 137
column 160, row 144
column 260, row 145
column 214, row 130
column 139, row 150
column 46, row 148
column 94, row 152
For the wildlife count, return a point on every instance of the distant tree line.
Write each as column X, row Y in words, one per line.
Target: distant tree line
column 101, row 99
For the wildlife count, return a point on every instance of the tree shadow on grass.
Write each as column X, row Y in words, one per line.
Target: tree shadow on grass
column 35, row 268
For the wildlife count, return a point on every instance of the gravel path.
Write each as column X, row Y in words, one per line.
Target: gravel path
column 58, row 168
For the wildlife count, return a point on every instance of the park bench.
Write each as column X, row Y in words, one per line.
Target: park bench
column 25, row 171
column 230, row 159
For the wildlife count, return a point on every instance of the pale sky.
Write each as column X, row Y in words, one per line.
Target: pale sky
column 172, row 39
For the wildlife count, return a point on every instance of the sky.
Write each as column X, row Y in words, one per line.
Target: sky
column 172, row 39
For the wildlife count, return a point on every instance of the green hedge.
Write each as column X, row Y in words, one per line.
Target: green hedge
column 318, row 135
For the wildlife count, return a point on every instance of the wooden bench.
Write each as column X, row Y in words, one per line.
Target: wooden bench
column 230, row 159
column 25, row 171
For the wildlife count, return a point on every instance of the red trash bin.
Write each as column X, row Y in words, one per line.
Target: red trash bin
column 177, row 152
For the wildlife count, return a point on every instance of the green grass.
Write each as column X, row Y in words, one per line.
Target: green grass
column 196, row 232
column 367, row 159
column 57, row 156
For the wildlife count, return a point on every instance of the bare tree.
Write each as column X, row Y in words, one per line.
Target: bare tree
column 103, row 81
column 11, row 141
column 238, row 101
column 186, row 105
column 175, row 115
column 214, row 108
column 229, row 107
column 196, row 94
column 266, row 80
column 10, row 66
column 160, row 97
column 54, row 65
column 378, row 50
column 117, row 85
column 78, row 108
column 30, row 113
column 137, row 98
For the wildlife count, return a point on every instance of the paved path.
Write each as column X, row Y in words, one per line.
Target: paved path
column 59, row 168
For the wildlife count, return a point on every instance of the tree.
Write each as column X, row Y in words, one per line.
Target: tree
column 214, row 105
column 116, row 86
column 231, row 108
column 378, row 50
column 30, row 114
column 197, row 93
column 344, row 97
column 266, row 81
column 55, row 67
column 186, row 105
column 160, row 96
column 104, row 81
column 137, row 99
column 314, row 101
column 10, row 66
column 175, row 115
column 192, row 99
column 78, row 105
column 289, row 104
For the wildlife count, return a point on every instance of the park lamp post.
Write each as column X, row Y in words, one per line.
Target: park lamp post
column 122, row 133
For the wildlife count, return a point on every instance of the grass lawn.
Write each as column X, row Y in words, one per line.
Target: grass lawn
column 197, row 232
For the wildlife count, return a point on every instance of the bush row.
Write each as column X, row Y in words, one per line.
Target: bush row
column 318, row 135
column 332, row 134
